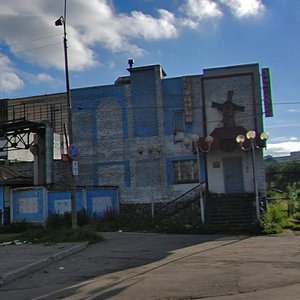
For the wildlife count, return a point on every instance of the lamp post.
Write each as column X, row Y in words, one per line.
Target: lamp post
column 195, row 140
column 152, row 151
column 251, row 136
column 62, row 22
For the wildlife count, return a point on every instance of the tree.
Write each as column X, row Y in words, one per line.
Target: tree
column 280, row 175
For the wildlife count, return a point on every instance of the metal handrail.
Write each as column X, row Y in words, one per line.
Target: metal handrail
column 178, row 198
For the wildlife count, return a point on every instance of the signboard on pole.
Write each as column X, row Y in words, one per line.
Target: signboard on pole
column 73, row 151
column 75, row 167
column 266, row 83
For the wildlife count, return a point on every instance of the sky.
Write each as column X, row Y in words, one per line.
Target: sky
column 184, row 36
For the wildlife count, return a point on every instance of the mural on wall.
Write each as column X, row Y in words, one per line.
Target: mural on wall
column 228, row 109
column 226, row 135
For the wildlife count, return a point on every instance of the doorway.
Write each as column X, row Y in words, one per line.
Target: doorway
column 233, row 174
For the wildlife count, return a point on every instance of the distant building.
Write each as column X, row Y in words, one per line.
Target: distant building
column 19, row 116
column 294, row 156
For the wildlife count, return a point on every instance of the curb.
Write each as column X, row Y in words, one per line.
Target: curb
column 33, row 267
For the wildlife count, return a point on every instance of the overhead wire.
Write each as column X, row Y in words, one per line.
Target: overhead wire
column 30, row 41
column 57, row 43
column 237, row 117
column 12, row 53
column 37, row 48
column 207, row 122
column 178, row 107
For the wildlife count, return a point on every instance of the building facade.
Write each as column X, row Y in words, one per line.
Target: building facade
column 138, row 133
column 151, row 137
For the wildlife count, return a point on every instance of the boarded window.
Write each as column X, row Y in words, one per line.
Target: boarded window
column 185, row 171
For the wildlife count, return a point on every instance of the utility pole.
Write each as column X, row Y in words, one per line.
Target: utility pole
column 62, row 22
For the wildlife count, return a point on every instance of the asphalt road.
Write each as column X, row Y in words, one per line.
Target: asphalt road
column 157, row 266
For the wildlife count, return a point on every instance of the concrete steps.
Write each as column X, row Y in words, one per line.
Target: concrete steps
column 230, row 209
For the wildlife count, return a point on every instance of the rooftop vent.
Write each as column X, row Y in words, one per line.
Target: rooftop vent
column 130, row 63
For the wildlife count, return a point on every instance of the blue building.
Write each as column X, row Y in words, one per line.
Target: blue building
column 154, row 138
column 147, row 134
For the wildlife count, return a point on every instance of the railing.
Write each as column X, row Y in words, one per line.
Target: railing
column 55, row 113
column 177, row 199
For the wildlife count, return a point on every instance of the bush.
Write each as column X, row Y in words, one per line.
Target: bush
column 273, row 220
column 83, row 217
column 86, row 234
column 291, row 195
column 65, row 220
column 19, row 227
column 296, row 216
column 56, row 221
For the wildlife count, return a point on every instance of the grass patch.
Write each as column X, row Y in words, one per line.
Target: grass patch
column 60, row 235
column 176, row 224
column 275, row 220
column 8, row 237
column 59, row 228
column 38, row 234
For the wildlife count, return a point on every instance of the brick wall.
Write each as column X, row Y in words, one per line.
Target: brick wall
column 115, row 125
column 112, row 123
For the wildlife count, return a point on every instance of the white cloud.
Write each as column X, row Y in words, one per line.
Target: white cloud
column 281, row 139
column 282, row 148
column 32, row 35
column 9, row 80
column 88, row 23
column 244, row 8
column 197, row 11
column 44, row 77
column 201, row 9
column 148, row 27
column 294, row 110
column 283, row 125
column 282, row 145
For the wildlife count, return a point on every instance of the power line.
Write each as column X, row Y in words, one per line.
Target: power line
column 29, row 49
column 30, row 41
column 173, row 107
column 37, row 48
column 207, row 122
column 286, row 103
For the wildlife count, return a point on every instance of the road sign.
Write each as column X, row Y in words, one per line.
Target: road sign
column 75, row 167
column 73, row 151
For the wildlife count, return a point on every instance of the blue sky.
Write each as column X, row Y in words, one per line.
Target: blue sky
column 184, row 36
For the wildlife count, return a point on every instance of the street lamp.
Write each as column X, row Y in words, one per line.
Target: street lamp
column 62, row 22
column 251, row 137
column 195, row 140
column 152, row 151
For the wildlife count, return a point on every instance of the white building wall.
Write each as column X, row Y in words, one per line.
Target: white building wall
column 244, row 81
column 216, row 174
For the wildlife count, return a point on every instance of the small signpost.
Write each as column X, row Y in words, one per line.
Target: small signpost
column 73, row 154
column 73, row 151
column 75, row 167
